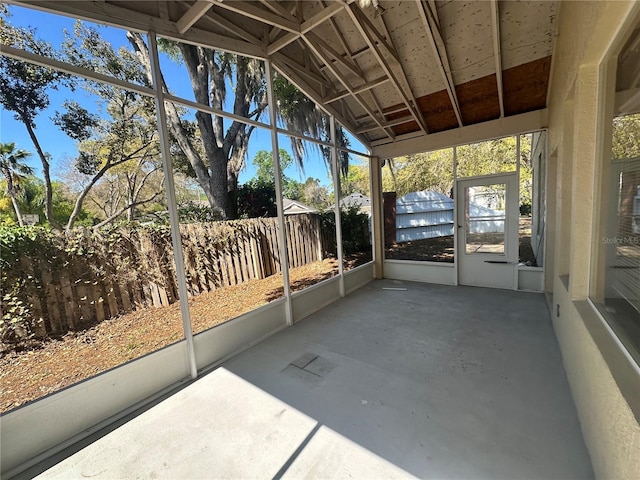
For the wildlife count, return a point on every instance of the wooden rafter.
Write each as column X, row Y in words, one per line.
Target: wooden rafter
column 391, row 123
column 192, row 15
column 366, row 29
column 292, row 76
column 495, row 26
column 278, row 9
column 336, row 56
column 305, row 27
column 231, row 27
column 110, row 13
column 360, row 89
column 437, row 44
column 265, row 16
column 346, row 84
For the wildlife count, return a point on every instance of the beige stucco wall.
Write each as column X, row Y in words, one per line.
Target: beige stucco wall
column 580, row 99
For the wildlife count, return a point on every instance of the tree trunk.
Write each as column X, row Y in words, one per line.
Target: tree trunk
column 16, row 207
column 204, row 179
column 48, row 201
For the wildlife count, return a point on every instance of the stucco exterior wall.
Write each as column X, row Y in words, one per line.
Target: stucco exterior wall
column 580, row 97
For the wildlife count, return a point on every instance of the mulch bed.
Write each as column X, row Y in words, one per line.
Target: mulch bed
column 47, row 366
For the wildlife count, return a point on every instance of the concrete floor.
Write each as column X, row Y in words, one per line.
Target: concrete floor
column 432, row 382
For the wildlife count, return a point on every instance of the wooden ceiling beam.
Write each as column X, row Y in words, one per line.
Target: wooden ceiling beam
column 495, row 26
column 111, row 14
column 192, row 15
column 362, row 88
column 250, row 10
column 305, row 27
column 333, row 54
column 278, row 9
column 279, row 63
column 438, row 46
column 365, row 28
column 232, row 28
column 346, row 84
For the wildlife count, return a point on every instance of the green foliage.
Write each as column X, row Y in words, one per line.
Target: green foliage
column 423, row 171
column 31, row 201
column 24, row 86
column 76, row 122
column 17, row 243
column 17, row 323
column 263, row 161
column 356, row 180
column 434, row 170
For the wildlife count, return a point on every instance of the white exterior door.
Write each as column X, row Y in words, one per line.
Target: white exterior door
column 487, row 239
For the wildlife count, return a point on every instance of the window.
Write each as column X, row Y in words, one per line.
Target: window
column 616, row 286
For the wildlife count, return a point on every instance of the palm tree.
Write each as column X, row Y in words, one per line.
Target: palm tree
column 14, row 169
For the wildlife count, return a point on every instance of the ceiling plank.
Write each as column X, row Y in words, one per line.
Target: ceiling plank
column 192, row 15
column 495, row 25
column 438, row 46
column 359, row 18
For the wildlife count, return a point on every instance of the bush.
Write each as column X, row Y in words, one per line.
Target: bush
column 16, row 243
column 356, row 236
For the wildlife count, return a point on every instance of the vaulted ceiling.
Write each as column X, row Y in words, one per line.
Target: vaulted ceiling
column 387, row 69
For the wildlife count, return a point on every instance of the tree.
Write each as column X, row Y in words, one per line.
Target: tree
column 118, row 153
column 314, row 194
column 423, row 171
column 355, row 181
column 14, row 170
column 218, row 162
column 23, row 90
column 257, row 197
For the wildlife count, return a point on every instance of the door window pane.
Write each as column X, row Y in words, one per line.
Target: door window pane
column 485, row 218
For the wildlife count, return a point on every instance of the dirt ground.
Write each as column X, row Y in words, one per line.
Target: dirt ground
column 441, row 249
column 48, row 366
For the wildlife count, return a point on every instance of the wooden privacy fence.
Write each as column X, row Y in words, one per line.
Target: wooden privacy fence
column 92, row 276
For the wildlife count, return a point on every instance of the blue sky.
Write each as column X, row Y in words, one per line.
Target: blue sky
column 51, row 28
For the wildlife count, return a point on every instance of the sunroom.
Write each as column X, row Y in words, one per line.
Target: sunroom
column 455, row 295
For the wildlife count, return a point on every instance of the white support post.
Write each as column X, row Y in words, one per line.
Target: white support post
column 176, row 241
column 456, row 237
column 284, row 260
column 336, row 203
column 377, row 209
column 516, row 277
